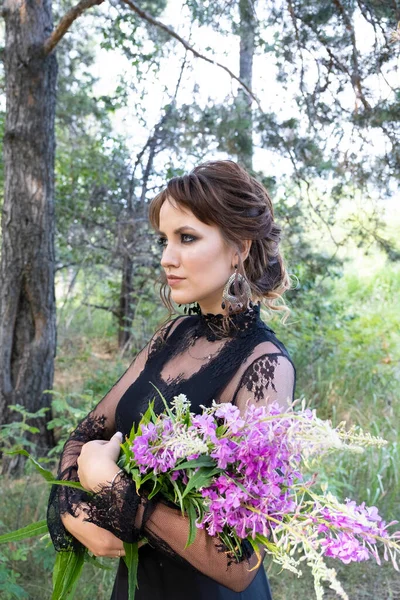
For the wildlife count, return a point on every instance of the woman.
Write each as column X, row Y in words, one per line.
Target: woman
column 219, row 250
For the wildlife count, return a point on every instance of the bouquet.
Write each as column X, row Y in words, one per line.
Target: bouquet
column 248, row 477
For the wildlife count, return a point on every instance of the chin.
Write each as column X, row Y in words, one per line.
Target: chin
column 182, row 298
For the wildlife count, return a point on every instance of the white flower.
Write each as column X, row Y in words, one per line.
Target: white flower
column 180, row 404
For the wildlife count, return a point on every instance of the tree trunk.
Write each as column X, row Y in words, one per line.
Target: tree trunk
column 244, row 141
column 126, row 309
column 27, row 302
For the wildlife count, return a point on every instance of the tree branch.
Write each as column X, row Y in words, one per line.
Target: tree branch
column 355, row 76
column 66, row 23
column 101, row 307
column 150, row 19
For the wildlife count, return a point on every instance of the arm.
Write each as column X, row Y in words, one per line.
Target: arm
column 67, row 507
column 66, row 513
column 164, row 526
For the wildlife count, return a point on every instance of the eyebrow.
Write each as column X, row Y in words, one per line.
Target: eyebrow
column 179, row 230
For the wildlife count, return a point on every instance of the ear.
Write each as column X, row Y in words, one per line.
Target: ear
column 246, row 249
column 246, row 245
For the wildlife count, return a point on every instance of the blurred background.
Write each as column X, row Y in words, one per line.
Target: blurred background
column 304, row 95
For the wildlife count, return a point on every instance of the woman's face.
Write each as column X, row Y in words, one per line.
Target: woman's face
column 197, row 254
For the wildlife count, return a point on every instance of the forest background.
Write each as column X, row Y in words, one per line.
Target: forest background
column 118, row 96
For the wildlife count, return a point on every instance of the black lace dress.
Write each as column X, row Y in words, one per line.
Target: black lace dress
column 196, row 356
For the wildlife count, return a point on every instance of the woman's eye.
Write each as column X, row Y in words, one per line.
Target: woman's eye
column 186, row 238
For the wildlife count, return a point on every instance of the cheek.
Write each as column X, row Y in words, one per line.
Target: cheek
column 209, row 256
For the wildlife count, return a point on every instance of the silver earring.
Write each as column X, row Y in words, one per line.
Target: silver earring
column 243, row 292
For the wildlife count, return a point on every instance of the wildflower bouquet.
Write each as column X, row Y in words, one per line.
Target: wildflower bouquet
column 247, row 477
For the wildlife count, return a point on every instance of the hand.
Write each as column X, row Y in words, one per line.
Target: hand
column 97, row 463
column 97, row 540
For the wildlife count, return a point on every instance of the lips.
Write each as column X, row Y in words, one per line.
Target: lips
column 173, row 280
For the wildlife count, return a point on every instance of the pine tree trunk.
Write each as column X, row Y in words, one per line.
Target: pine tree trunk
column 243, row 101
column 27, row 302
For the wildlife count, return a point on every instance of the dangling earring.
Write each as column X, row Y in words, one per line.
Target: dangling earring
column 241, row 285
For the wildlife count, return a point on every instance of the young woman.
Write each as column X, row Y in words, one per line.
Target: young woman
column 219, row 250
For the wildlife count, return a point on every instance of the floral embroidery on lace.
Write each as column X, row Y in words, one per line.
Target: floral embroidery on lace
column 260, row 376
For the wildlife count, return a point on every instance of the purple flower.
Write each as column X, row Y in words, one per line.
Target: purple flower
column 231, row 416
column 206, row 425
column 345, row 547
column 224, row 452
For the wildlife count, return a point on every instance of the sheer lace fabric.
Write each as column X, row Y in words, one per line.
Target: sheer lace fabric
column 207, row 360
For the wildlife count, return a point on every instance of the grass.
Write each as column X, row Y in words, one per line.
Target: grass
column 30, row 564
column 345, row 343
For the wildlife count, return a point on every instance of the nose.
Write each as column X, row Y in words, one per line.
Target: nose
column 170, row 257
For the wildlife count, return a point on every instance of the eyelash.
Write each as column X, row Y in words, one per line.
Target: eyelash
column 162, row 241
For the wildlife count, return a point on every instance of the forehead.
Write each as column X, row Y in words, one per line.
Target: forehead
column 172, row 215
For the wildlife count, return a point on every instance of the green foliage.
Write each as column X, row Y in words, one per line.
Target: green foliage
column 9, row 587
column 344, row 340
column 13, row 435
column 26, row 567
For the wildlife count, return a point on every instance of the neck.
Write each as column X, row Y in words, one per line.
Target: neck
column 212, row 305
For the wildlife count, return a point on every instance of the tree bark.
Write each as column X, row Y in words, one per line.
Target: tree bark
column 126, row 308
column 244, row 141
column 27, row 302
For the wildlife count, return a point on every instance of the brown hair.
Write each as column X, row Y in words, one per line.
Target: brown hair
column 222, row 193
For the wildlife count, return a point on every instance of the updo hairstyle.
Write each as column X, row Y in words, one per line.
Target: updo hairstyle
column 222, row 193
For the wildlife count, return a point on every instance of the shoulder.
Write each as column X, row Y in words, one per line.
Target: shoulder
column 267, row 356
column 163, row 333
column 268, row 369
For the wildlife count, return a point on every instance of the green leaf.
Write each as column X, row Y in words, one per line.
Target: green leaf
column 200, row 479
column 202, row 461
column 96, row 563
column 67, row 570
column 48, row 475
column 71, row 484
column 199, row 507
column 156, row 488
column 178, row 494
column 264, row 541
column 38, row 528
column 147, row 417
column 167, row 408
column 131, row 559
column 256, row 548
column 148, row 476
column 190, row 510
column 132, row 433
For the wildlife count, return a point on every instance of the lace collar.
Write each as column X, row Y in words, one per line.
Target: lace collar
column 216, row 327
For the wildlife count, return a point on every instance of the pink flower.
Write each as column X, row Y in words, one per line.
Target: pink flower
column 346, row 548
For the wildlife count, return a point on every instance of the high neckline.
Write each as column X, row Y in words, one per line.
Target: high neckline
column 218, row 326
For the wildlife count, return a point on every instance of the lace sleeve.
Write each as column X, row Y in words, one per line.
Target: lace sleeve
column 269, row 378
column 98, row 424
